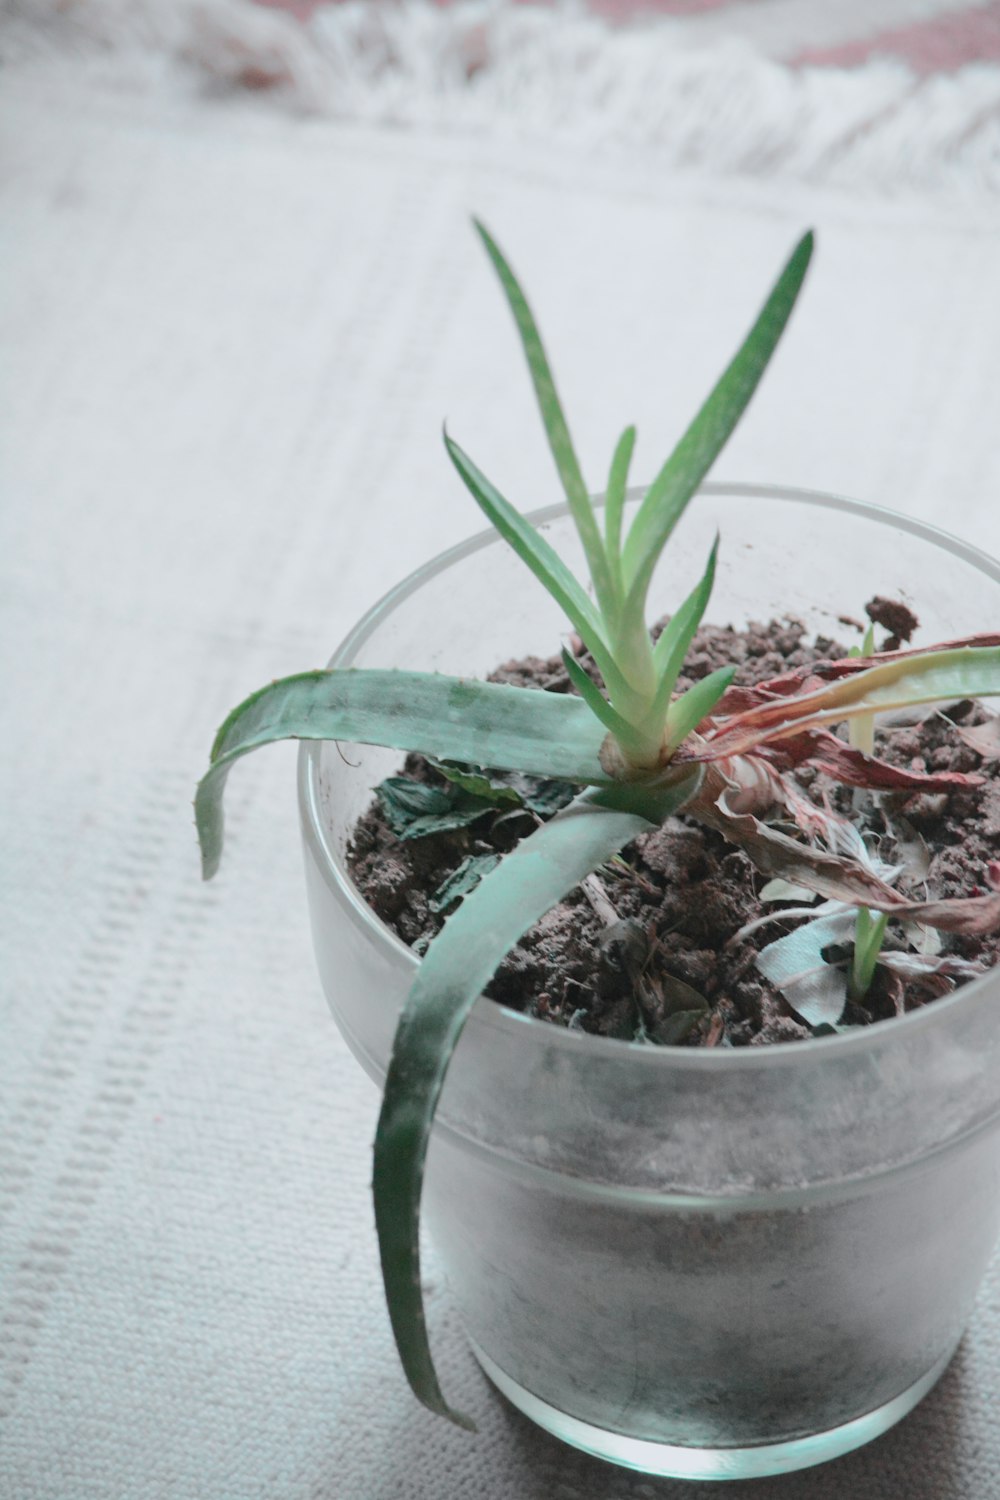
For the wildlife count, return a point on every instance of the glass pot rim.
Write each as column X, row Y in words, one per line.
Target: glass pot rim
column 975, row 993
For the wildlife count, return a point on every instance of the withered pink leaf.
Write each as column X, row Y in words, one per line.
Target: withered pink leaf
column 899, row 682
column 983, row 738
column 838, row 877
column 738, row 699
column 853, row 767
column 845, row 665
column 909, row 965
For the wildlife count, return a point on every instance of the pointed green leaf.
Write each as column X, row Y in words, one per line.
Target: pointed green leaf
column 869, row 932
column 553, row 417
column 595, row 699
column 675, row 641
column 687, row 711
column 529, row 544
column 488, row 723
column 459, row 963
column 614, row 501
column 697, row 450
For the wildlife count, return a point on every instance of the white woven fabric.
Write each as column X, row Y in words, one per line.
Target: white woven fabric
column 707, row 91
column 235, row 333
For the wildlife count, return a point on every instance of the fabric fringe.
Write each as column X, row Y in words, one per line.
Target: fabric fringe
column 497, row 69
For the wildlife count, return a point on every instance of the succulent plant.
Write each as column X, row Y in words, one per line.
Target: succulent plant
column 636, row 752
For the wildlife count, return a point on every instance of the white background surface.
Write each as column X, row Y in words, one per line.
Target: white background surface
column 230, row 338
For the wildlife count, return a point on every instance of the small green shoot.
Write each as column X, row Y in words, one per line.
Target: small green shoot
column 869, row 932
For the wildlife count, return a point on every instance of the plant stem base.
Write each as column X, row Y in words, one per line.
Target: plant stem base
column 671, row 1461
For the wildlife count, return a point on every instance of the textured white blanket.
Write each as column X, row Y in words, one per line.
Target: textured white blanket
column 234, row 329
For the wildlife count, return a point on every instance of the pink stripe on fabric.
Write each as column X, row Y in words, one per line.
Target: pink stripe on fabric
column 301, row 9
column 623, row 10
column 938, row 46
column 614, row 10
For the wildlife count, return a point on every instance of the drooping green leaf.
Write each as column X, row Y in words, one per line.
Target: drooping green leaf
column 556, row 427
column 697, row 450
column 463, row 881
column 459, row 963
column 414, row 809
column 687, row 711
column 550, row 734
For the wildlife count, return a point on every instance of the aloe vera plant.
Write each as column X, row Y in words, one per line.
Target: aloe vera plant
column 637, row 752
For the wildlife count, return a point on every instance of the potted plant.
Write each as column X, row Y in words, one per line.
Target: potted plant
column 716, row 1262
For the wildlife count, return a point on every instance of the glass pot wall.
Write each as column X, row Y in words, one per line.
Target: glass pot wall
column 719, row 1263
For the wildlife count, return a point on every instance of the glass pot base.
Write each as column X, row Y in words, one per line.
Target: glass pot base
column 671, row 1461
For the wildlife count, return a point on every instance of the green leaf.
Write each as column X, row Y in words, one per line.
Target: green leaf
column 546, row 564
column 676, row 1026
column 675, row 640
column 614, row 502
column 596, row 701
column 869, row 932
column 414, row 809
column 867, row 644
column 556, row 428
column 458, row 965
column 463, row 881
column 687, row 711
column 550, row 734
column 697, row 450
column 543, row 795
column 480, row 783
column 670, row 1008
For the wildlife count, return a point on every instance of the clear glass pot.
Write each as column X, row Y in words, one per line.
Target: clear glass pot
column 695, row 1263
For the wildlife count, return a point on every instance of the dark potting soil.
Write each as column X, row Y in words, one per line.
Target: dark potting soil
column 647, row 942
